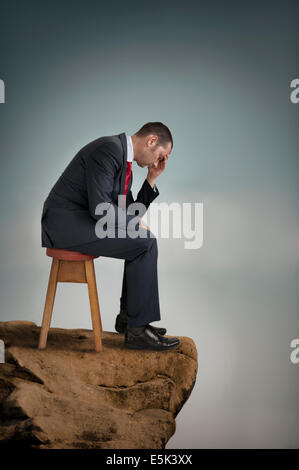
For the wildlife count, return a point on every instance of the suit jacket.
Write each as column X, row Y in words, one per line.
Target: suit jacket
column 96, row 174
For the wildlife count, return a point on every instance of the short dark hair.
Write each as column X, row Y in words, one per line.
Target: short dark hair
column 159, row 129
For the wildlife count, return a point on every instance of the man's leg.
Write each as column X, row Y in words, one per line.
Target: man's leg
column 121, row 321
column 123, row 298
column 140, row 281
column 142, row 287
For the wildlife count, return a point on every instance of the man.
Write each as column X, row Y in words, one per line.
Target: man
column 98, row 174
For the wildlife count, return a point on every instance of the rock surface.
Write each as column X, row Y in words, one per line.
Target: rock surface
column 69, row 396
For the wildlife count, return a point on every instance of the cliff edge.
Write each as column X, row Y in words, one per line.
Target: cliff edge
column 69, row 396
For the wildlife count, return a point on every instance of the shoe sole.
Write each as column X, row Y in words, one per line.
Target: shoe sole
column 123, row 331
column 161, row 348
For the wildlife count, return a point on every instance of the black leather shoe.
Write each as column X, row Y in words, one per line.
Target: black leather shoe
column 121, row 326
column 149, row 339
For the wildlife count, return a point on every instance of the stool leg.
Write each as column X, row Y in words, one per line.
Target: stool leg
column 94, row 304
column 51, row 291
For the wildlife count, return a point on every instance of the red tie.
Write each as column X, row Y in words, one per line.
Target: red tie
column 129, row 170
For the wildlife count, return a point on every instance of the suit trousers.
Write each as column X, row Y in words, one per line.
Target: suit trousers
column 140, row 294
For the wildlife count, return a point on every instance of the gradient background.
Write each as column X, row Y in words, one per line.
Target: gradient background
column 218, row 74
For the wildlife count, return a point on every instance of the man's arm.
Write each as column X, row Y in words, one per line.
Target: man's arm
column 101, row 169
column 146, row 194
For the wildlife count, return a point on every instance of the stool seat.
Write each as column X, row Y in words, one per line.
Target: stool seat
column 68, row 255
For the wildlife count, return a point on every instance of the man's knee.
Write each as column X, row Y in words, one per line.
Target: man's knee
column 153, row 243
column 149, row 242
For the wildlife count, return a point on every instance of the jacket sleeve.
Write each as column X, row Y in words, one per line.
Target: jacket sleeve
column 101, row 168
column 146, row 195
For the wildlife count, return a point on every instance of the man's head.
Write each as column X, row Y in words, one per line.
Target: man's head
column 152, row 143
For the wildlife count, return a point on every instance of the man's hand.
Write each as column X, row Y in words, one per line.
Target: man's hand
column 155, row 170
column 143, row 225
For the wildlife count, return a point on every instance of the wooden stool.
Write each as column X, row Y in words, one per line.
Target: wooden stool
column 71, row 266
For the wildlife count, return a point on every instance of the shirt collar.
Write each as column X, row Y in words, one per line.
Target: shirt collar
column 130, row 151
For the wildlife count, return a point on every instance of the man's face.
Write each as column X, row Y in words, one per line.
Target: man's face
column 152, row 153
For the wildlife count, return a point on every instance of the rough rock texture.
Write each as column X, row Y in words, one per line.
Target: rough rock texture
column 69, row 396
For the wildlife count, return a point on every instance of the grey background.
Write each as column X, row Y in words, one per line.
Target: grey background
column 218, row 74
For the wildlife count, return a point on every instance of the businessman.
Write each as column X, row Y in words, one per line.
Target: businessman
column 98, row 174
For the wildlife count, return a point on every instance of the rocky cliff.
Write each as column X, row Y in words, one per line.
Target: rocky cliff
column 69, row 396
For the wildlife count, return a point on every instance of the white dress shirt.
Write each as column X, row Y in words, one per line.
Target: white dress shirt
column 130, row 153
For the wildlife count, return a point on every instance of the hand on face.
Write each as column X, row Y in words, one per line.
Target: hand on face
column 155, row 169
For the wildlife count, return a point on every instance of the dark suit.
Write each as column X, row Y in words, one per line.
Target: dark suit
column 97, row 174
